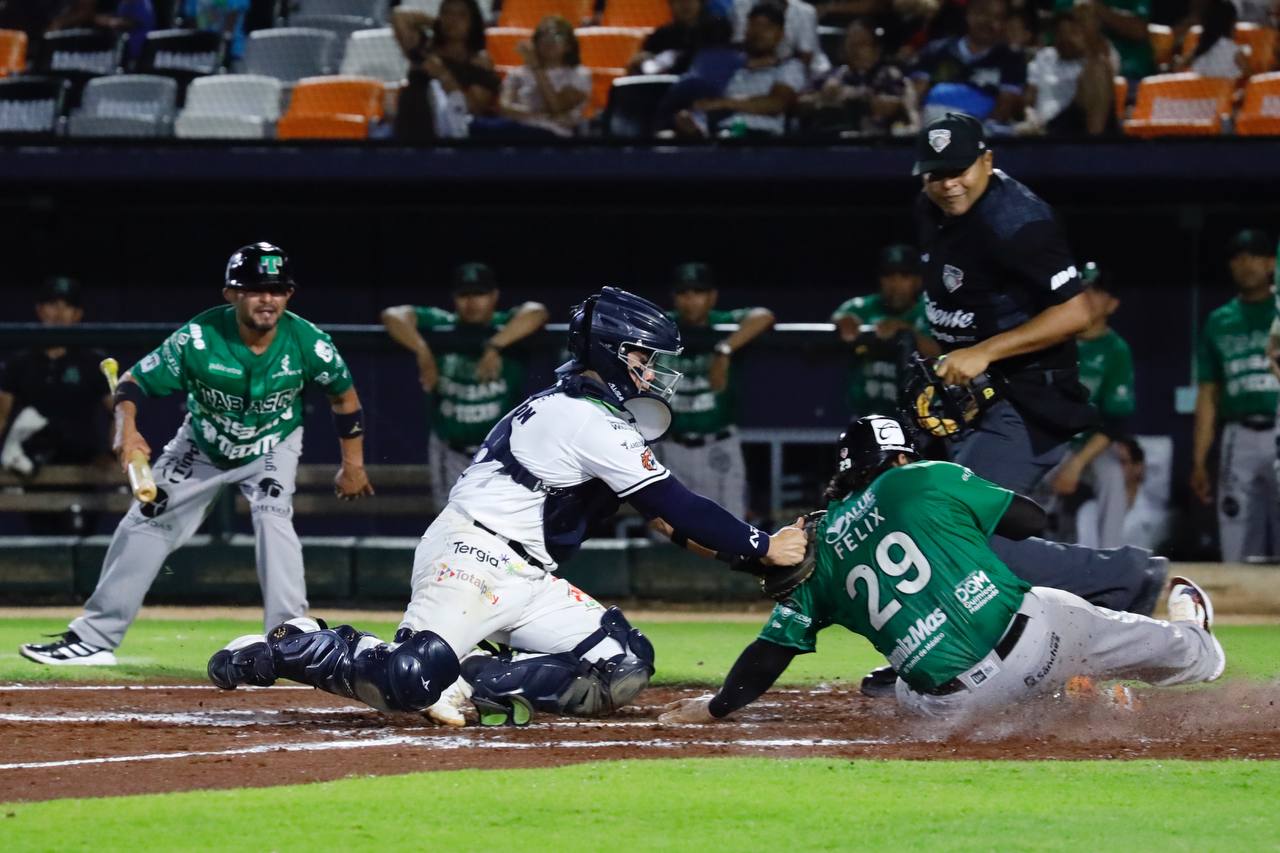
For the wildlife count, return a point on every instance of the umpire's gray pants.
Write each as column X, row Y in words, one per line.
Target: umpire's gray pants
column 715, row 470
column 187, row 485
column 1067, row 636
column 1000, row 450
column 446, row 466
column 1248, row 506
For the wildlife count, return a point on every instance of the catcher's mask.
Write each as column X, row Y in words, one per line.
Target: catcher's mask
column 946, row 411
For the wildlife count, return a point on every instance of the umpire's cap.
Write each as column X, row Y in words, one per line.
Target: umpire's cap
column 949, row 144
column 260, row 266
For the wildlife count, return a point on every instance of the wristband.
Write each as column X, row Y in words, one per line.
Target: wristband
column 127, row 390
column 349, row 424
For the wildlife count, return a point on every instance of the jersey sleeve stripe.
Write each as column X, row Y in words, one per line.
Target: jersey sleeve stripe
column 631, row 490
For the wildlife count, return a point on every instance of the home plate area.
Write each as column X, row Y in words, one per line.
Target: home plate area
column 67, row 740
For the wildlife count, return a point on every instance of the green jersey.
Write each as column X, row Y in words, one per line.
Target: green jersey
column 1106, row 369
column 466, row 408
column 242, row 404
column 696, row 409
column 906, row 564
column 1232, row 352
column 873, row 372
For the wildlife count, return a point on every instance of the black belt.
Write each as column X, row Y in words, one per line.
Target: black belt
column 1002, row 649
column 701, row 440
column 512, row 544
column 1259, row 423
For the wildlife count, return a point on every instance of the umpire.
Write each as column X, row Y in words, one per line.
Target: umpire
column 1003, row 297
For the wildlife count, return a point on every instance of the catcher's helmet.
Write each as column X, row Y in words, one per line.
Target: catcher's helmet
column 612, row 323
column 870, row 443
column 946, row 410
column 260, row 266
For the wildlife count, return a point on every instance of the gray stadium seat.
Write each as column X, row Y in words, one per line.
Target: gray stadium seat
column 289, row 53
column 230, row 106
column 31, row 105
column 342, row 26
column 633, row 105
column 183, row 54
column 375, row 53
column 79, row 56
column 126, row 105
column 375, row 9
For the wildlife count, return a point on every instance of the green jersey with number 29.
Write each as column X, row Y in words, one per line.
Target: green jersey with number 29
column 906, row 564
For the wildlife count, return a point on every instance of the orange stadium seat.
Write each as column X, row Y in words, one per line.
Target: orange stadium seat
column 332, row 108
column 1120, row 93
column 1260, row 114
column 1180, row 105
column 1161, row 38
column 609, row 47
column 527, row 13
column 501, row 43
column 1262, row 46
column 1190, row 42
column 636, row 13
column 601, row 81
column 13, row 52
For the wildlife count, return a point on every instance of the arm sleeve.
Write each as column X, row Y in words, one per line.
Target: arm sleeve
column 698, row 518
column 1023, row 518
column 1037, row 253
column 326, row 368
column 754, row 672
column 162, row 371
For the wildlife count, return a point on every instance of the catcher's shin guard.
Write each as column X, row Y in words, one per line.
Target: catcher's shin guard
column 244, row 660
column 408, row 677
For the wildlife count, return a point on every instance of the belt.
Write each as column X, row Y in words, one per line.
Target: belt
column 701, row 440
column 1260, row 423
column 1002, row 650
column 512, row 544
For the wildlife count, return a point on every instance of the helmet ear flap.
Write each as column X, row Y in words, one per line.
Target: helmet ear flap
column 580, row 333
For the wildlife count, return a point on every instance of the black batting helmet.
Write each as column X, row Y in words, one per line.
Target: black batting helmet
column 869, row 445
column 260, row 266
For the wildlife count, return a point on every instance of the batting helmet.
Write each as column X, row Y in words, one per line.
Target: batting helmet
column 870, row 444
column 945, row 410
column 260, row 266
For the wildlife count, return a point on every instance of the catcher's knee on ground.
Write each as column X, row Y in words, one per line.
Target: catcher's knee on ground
column 409, row 676
column 569, row 682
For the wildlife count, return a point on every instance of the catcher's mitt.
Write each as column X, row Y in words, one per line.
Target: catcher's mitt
column 946, row 411
column 778, row 582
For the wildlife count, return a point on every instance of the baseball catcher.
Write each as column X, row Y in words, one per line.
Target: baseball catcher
column 901, row 557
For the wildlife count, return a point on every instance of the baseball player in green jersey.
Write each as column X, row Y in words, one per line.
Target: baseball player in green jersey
column 473, row 378
column 901, row 557
column 1106, row 369
column 703, row 447
column 884, row 328
column 1238, row 389
column 243, row 368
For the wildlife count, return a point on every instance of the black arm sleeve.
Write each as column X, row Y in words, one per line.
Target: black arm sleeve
column 752, row 674
column 1023, row 518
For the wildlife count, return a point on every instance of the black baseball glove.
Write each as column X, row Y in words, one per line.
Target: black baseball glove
column 943, row 410
column 778, row 582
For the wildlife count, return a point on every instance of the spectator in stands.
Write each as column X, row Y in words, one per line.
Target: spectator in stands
column 670, row 48
column 54, row 394
column 1146, row 516
column 865, row 95
column 977, row 73
column 472, row 372
column 1124, row 23
column 1069, row 83
column 799, row 37
column 1216, row 53
column 135, row 17
column 703, row 448
column 544, row 98
column 451, row 77
column 760, row 94
column 219, row 16
column 883, row 329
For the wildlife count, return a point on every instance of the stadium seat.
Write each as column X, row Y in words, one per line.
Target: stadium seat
column 432, row 7
column 636, row 13
column 601, row 82
column 831, row 40
column 374, row 53
column 183, row 55
column 375, row 9
column 13, row 52
column 32, row 105
column 1120, row 95
column 501, row 43
column 527, row 13
column 1180, row 105
column 342, row 26
column 1161, row 40
column 79, row 56
column 1190, row 42
column 332, row 108
column 609, row 47
column 1262, row 46
column 289, row 53
column 631, row 112
column 230, row 106
column 137, row 105
column 1260, row 113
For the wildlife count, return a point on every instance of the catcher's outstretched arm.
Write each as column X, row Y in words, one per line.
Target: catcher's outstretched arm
column 699, row 519
column 754, row 672
column 1023, row 518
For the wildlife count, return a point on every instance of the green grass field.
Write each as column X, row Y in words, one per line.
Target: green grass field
column 734, row 804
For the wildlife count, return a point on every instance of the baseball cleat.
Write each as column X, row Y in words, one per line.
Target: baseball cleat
column 70, row 650
column 1189, row 603
column 510, row 710
column 244, row 660
column 450, row 709
column 879, row 683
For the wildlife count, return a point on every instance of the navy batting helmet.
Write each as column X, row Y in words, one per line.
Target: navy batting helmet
column 260, row 266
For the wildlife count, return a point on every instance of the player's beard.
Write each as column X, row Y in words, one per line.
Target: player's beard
column 249, row 318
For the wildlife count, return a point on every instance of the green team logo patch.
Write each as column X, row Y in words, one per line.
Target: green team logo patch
column 270, row 264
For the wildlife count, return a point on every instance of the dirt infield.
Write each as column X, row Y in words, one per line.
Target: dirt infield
column 66, row 740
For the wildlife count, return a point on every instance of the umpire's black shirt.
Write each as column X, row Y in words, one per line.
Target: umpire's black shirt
column 993, row 269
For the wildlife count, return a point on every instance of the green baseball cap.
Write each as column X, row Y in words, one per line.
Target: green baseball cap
column 899, row 258
column 473, row 277
column 62, row 287
column 692, row 276
column 1252, row 241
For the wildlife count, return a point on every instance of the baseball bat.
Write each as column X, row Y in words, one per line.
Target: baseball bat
column 141, row 480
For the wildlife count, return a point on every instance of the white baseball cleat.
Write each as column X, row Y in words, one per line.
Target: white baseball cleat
column 450, row 709
column 70, row 650
column 1189, row 603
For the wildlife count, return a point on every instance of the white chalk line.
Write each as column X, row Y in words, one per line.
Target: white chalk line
column 209, row 687
column 450, row 743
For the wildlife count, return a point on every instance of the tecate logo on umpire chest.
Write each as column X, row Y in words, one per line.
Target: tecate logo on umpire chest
column 956, row 319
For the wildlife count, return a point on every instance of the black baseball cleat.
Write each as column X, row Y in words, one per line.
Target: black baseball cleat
column 70, row 650
column 879, row 683
column 512, row 710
